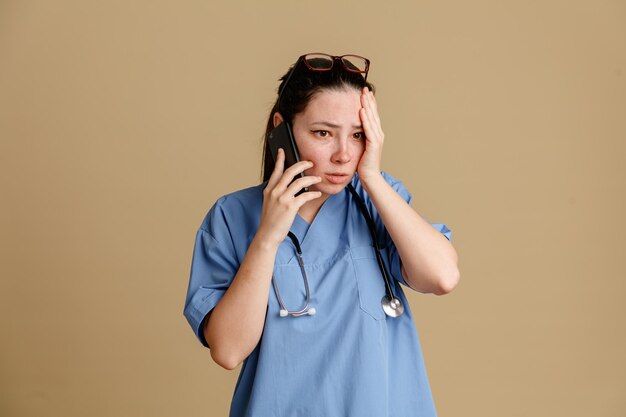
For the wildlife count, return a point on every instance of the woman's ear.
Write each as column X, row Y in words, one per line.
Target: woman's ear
column 278, row 119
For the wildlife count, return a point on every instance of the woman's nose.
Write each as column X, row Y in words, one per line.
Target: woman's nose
column 342, row 152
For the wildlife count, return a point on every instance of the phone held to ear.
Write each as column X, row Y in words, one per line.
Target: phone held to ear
column 282, row 137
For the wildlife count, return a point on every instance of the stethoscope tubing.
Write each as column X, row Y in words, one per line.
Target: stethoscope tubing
column 389, row 299
column 304, row 310
column 372, row 227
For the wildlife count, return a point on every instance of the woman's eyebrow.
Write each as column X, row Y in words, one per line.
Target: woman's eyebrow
column 333, row 125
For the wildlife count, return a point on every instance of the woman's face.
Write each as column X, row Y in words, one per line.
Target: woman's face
column 329, row 133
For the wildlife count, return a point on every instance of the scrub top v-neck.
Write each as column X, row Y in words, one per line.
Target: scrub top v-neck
column 349, row 359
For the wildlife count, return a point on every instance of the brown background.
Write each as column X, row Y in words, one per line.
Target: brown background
column 121, row 122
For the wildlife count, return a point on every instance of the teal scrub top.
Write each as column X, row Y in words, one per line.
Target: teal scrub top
column 349, row 359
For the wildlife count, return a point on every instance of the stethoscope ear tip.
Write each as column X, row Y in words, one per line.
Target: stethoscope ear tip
column 283, row 312
column 312, row 311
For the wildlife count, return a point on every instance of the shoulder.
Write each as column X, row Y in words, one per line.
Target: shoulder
column 241, row 198
column 239, row 206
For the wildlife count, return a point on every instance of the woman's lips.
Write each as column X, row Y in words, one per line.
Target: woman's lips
column 336, row 178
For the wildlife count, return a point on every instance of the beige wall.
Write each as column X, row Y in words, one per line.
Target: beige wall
column 121, row 123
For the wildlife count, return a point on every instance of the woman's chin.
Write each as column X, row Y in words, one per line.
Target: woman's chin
column 328, row 188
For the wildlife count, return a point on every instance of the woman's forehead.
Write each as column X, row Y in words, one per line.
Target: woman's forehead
column 337, row 106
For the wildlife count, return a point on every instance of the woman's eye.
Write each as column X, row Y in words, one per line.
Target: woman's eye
column 359, row 135
column 321, row 133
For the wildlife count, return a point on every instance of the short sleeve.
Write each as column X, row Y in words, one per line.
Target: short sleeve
column 213, row 267
column 393, row 255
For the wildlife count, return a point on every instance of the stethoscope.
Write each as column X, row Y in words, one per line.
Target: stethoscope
column 392, row 306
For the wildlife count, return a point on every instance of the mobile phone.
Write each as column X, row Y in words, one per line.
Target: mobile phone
column 282, row 137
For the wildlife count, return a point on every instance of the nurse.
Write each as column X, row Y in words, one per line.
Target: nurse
column 348, row 358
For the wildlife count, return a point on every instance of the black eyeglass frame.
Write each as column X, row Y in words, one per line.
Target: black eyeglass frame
column 333, row 58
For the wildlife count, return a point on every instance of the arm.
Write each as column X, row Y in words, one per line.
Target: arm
column 234, row 327
column 429, row 261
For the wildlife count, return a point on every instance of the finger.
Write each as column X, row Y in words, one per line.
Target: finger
column 372, row 107
column 370, row 132
column 292, row 171
column 367, row 107
column 278, row 169
column 304, row 198
column 373, row 132
column 365, row 122
column 372, row 116
column 301, row 183
column 369, row 102
column 371, row 99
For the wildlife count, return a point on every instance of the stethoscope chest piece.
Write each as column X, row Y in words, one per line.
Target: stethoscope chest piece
column 392, row 307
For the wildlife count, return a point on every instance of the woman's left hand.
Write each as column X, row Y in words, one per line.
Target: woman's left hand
column 369, row 165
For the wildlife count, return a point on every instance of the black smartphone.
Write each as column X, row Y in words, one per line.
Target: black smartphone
column 282, row 137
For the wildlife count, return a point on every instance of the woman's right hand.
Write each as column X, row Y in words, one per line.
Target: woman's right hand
column 280, row 205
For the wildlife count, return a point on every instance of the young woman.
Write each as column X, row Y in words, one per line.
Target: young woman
column 304, row 288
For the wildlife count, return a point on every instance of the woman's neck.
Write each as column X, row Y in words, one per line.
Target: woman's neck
column 310, row 209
